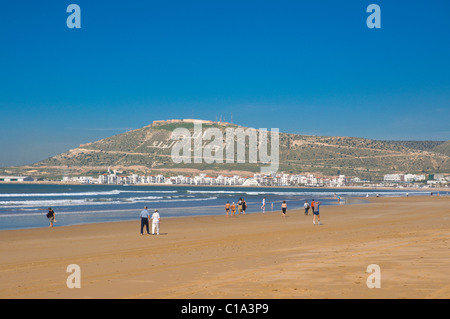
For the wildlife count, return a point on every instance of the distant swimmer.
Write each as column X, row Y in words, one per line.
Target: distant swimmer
column 283, row 208
column 233, row 209
column 227, row 208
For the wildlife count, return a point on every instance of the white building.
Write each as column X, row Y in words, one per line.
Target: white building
column 393, row 178
column 103, row 179
column 202, row 179
column 413, row 178
column 16, row 179
column 250, row 182
column 86, row 179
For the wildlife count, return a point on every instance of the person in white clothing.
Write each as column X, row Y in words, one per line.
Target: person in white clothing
column 155, row 222
column 263, row 207
column 306, row 206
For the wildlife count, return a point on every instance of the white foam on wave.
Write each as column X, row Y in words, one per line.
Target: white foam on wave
column 309, row 193
column 113, row 192
column 95, row 201
column 156, row 192
column 28, row 213
column 75, row 194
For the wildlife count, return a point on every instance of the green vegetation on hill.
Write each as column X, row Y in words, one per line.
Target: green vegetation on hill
column 419, row 145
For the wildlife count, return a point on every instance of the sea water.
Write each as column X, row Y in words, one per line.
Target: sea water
column 26, row 205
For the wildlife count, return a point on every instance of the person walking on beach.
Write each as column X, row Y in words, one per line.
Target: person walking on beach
column 240, row 206
column 244, row 206
column 263, row 207
column 145, row 216
column 155, row 222
column 306, row 206
column 312, row 205
column 233, row 209
column 316, row 213
column 283, row 208
column 227, row 208
column 51, row 216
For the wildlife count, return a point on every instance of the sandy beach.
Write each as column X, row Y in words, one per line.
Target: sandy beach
column 249, row 256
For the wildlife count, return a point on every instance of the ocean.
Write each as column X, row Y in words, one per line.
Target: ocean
column 25, row 205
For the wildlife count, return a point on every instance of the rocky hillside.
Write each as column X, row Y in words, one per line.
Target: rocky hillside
column 148, row 151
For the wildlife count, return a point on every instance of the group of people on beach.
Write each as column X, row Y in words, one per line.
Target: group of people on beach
column 231, row 209
column 155, row 218
column 145, row 219
column 242, row 206
column 315, row 209
column 283, row 207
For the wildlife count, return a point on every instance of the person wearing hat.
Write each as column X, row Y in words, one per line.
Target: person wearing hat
column 155, row 222
column 144, row 220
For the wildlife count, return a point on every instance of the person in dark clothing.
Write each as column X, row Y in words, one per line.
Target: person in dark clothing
column 145, row 215
column 51, row 216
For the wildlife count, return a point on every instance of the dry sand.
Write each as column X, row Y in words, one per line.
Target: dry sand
column 251, row 256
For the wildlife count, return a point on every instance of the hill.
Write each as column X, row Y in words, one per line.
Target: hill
column 443, row 148
column 148, row 151
column 420, row 145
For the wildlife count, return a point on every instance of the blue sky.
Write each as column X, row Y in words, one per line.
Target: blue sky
column 307, row 67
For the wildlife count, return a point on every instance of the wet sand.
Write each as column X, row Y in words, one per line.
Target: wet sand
column 249, row 256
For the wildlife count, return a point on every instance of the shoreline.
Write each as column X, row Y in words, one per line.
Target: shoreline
column 246, row 257
column 332, row 197
column 433, row 189
column 221, row 208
